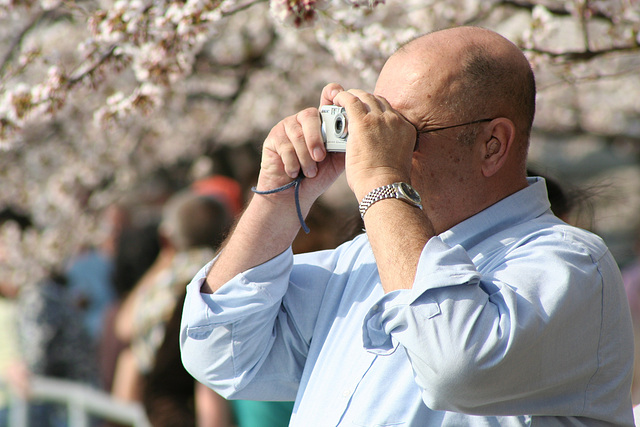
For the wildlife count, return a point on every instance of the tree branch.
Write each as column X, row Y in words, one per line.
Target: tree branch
column 586, row 55
column 103, row 58
column 17, row 40
column 554, row 7
column 242, row 7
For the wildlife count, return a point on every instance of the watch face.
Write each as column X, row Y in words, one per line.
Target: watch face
column 409, row 192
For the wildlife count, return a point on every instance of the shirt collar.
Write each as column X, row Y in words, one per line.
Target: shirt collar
column 526, row 204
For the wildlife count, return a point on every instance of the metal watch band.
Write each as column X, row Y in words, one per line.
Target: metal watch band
column 375, row 195
column 386, row 192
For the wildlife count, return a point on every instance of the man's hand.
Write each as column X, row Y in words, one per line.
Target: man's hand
column 270, row 223
column 380, row 144
column 294, row 146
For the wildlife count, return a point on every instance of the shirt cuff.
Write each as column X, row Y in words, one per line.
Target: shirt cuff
column 250, row 291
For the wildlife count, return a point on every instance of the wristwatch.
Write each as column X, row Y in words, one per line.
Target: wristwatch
column 397, row 190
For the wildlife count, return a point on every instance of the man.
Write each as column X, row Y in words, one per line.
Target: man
column 473, row 306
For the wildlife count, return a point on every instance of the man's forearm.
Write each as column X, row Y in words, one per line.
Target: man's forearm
column 266, row 229
column 397, row 233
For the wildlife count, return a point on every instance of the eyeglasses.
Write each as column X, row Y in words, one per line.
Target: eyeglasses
column 453, row 126
column 419, row 132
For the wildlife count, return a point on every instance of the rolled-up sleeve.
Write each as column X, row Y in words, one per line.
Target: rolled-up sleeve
column 488, row 343
column 387, row 315
column 250, row 339
column 227, row 337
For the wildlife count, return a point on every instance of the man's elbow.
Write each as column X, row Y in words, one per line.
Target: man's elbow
column 456, row 384
column 202, row 372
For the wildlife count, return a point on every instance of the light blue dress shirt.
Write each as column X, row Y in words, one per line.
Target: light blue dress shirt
column 515, row 318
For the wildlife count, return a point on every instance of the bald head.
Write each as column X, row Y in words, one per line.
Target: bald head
column 477, row 89
column 483, row 74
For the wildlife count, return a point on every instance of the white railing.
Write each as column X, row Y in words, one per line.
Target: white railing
column 82, row 402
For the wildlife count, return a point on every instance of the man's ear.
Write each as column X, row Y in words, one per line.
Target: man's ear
column 498, row 141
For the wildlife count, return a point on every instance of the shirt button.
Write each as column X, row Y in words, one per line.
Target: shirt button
column 346, row 393
column 375, row 307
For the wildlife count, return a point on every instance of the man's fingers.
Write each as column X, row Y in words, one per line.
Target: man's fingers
column 311, row 125
column 329, row 92
column 359, row 102
column 299, row 131
column 351, row 103
column 278, row 143
column 371, row 102
column 298, row 142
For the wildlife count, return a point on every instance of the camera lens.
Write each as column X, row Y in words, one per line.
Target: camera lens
column 340, row 126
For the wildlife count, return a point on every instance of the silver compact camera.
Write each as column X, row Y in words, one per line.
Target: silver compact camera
column 334, row 128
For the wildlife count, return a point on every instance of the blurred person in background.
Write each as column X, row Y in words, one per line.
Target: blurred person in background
column 223, row 188
column 243, row 413
column 9, row 353
column 137, row 248
column 89, row 273
column 149, row 370
column 10, row 363
column 45, row 336
column 52, row 343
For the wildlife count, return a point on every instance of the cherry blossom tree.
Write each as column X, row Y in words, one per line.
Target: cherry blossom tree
column 99, row 97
